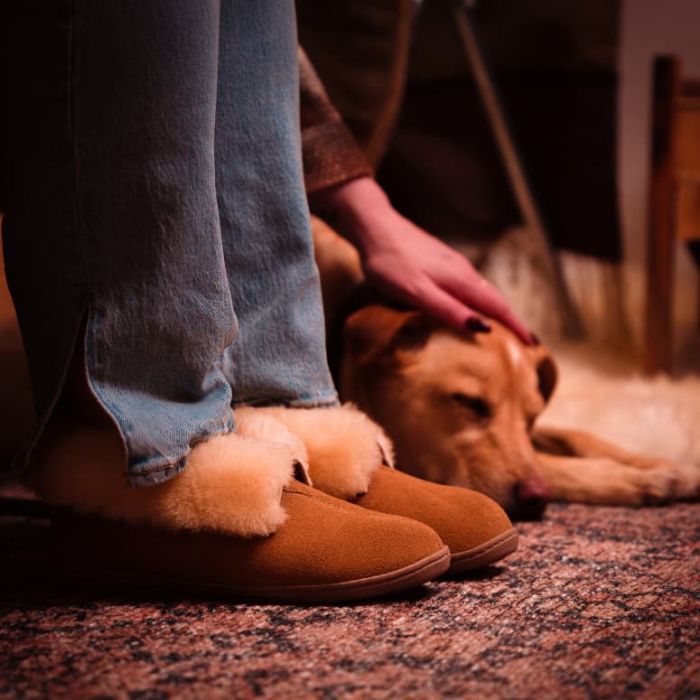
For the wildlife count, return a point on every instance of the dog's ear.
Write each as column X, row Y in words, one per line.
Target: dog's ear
column 377, row 331
column 546, row 368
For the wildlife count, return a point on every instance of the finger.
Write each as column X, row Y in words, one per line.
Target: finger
column 484, row 298
column 451, row 311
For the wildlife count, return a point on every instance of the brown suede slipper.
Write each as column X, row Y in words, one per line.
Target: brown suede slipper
column 474, row 527
column 326, row 551
column 345, row 450
column 234, row 522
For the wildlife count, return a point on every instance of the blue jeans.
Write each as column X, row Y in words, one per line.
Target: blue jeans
column 153, row 192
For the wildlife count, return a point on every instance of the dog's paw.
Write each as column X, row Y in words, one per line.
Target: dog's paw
column 662, row 483
column 344, row 446
column 669, row 481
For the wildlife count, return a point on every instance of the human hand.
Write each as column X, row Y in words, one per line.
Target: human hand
column 408, row 264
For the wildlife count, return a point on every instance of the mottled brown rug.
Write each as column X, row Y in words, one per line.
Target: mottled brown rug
column 597, row 603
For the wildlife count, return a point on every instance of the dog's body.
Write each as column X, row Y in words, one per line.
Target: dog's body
column 462, row 409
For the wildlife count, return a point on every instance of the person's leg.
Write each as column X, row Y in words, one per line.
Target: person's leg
column 111, row 214
column 113, row 225
column 279, row 355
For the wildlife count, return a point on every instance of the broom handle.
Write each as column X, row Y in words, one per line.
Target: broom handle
column 513, row 165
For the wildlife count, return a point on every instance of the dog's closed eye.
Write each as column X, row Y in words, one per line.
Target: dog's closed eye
column 476, row 405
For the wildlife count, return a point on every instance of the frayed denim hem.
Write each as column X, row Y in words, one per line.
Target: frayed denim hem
column 154, row 474
column 158, row 475
column 325, row 399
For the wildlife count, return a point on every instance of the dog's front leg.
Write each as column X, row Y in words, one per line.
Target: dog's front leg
column 567, row 442
column 603, row 480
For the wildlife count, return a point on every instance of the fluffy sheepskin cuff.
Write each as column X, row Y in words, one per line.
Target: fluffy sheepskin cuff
column 231, row 483
column 258, row 423
column 344, row 446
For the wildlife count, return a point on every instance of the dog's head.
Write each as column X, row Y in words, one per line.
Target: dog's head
column 460, row 408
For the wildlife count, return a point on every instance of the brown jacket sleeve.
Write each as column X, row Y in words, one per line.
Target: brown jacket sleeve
column 331, row 154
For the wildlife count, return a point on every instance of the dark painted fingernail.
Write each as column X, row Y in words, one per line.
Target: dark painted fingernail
column 476, row 325
column 534, row 339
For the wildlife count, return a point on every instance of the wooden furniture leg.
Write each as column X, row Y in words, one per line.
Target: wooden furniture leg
column 661, row 238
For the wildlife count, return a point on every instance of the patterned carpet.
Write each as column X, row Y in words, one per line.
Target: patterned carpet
column 597, row 603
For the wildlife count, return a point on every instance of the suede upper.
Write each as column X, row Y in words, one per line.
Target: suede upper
column 323, row 541
column 464, row 519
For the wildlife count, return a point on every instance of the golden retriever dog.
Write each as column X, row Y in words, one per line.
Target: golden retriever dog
column 462, row 409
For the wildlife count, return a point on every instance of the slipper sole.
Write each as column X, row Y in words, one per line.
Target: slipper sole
column 485, row 554
column 415, row 574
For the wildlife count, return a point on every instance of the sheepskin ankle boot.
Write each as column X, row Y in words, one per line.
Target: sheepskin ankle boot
column 351, row 458
column 235, row 522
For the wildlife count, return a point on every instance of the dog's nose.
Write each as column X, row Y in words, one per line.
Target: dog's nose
column 531, row 496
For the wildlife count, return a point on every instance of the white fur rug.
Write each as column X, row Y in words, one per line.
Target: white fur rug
column 598, row 393
column 600, row 390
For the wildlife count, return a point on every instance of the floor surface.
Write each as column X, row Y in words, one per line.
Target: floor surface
column 596, row 603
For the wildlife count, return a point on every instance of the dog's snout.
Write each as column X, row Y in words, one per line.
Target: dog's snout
column 531, row 489
column 530, row 496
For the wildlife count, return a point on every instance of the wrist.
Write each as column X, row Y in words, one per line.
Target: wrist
column 353, row 208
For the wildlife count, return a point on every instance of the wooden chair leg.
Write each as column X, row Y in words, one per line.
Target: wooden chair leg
column 661, row 237
column 694, row 250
